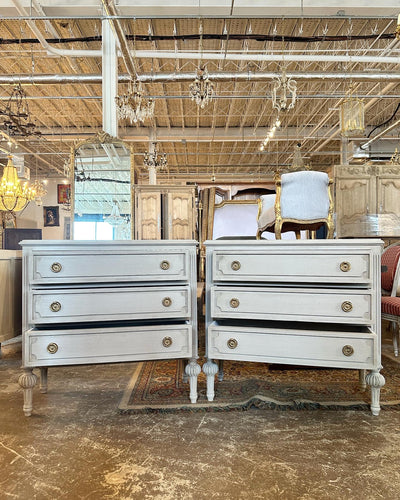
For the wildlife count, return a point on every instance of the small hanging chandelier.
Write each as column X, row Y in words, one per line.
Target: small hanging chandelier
column 13, row 196
column 133, row 105
column 40, row 191
column 17, row 119
column 154, row 159
column 283, row 90
column 352, row 117
column 115, row 218
column 202, row 89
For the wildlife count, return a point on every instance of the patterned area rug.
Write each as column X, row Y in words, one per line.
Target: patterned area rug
column 157, row 386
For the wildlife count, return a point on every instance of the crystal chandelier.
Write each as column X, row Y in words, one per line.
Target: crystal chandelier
column 40, row 191
column 154, row 159
column 283, row 89
column 202, row 89
column 13, row 196
column 115, row 218
column 133, row 105
column 17, row 119
column 352, row 117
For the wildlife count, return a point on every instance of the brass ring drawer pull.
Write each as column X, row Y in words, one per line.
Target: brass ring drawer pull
column 232, row 343
column 348, row 350
column 345, row 266
column 55, row 306
column 166, row 301
column 56, row 267
column 347, row 306
column 52, row 348
column 235, row 265
column 234, row 303
column 165, row 265
column 167, row 342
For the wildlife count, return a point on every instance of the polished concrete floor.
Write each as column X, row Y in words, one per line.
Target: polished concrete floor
column 76, row 446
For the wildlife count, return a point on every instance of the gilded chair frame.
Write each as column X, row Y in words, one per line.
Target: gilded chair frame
column 297, row 225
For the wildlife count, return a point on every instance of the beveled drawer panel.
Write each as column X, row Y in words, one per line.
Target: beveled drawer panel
column 108, row 304
column 294, row 304
column 100, row 345
column 105, row 267
column 306, row 267
column 292, row 346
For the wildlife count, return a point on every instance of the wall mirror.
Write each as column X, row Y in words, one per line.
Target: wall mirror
column 101, row 175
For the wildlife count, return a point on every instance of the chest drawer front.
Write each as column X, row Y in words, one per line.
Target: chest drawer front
column 107, row 267
column 60, row 347
column 294, row 304
column 338, row 349
column 108, row 304
column 301, row 267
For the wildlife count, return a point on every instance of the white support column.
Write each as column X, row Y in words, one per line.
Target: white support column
column 110, row 80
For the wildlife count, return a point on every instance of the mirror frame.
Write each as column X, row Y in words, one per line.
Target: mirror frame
column 99, row 139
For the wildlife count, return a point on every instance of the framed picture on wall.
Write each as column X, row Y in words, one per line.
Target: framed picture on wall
column 51, row 216
column 63, row 193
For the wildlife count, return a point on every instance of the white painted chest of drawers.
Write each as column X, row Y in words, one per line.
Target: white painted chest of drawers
column 305, row 302
column 106, row 302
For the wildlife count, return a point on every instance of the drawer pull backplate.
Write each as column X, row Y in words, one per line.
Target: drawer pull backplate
column 234, row 303
column 348, row 350
column 347, row 306
column 55, row 306
column 167, row 342
column 52, row 348
column 345, row 266
column 164, row 265
column 167, row 301
column 56, row 267
column 235, row 265
column 232, row 343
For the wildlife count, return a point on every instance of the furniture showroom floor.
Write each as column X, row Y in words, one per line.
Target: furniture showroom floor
column 77, row 446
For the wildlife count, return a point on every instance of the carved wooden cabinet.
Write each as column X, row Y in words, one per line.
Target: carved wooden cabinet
column 305, row 302
column 164, row 212
column 10, row 292
column 106, row 302
column 367, row 201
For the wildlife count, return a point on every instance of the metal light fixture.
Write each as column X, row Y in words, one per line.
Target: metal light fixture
column 395, row 159
column 154, row 159
column 115, row 218
column 133, row 105
column 13, row 196
column 40, row 191
column 284, row 93
column 17, row 119
column 202, row 89
column 352, row 117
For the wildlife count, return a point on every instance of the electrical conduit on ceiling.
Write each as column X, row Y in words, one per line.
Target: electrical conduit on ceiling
column 154, row 54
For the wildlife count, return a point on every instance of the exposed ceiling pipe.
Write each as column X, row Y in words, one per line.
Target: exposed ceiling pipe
column 35, row 79
column 284, row 58
column 378, row 136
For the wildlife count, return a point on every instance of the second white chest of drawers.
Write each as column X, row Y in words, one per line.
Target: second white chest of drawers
column 106, row 302
column 305, row 302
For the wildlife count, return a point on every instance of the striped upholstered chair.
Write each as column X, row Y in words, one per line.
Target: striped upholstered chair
column 390, row 281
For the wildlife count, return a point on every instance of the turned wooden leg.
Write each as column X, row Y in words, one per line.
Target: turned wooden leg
column 210, row 369
column 192, row 371
column 221, row 370
column 395, row 332
column 362, row 379
column 27, row 381
column 376, row 381
column 43, row 380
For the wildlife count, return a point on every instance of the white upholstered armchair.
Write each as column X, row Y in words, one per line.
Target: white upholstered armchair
column 303, row 200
